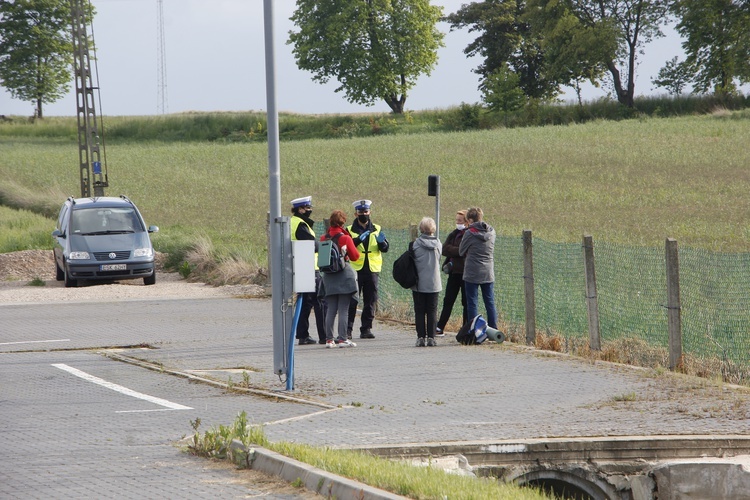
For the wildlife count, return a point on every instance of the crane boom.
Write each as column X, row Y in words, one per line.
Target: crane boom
column 93, row 171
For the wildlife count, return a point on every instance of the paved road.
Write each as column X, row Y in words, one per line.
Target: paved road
column 77, row 423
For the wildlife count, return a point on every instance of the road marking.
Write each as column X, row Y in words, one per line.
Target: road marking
column 34, row 341
column 120, row 389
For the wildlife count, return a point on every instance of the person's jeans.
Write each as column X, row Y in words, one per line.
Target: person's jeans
column 488, row 296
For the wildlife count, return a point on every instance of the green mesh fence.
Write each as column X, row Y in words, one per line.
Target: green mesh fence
column 715, row 297
column 559, row 288
column 631, row 293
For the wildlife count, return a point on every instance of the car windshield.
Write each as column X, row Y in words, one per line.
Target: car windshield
column 104, row 221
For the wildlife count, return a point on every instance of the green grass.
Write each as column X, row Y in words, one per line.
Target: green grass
column 629, row 182
column 398, row 477
column 24, row 230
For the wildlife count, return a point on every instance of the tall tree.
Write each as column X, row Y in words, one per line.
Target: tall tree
column 375, row 49
column 36, row 50
column 717, row 42
column 573, row 52
column 505, row 42
column 630, row 23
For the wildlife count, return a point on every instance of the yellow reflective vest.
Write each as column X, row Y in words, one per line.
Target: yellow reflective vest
column 296, row 221
column 371, row 251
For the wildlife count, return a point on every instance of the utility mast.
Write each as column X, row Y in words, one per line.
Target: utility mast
column 93, row 172
column 161, row 70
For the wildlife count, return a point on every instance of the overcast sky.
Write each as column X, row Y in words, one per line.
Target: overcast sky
column 215, row 60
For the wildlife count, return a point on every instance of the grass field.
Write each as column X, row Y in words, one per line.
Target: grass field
column 632, row 182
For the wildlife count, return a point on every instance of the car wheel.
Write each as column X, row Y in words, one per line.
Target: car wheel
column 150, row 280
column 59, row 273
column 70, row 282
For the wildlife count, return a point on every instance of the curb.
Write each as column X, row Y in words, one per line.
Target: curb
column 324, row 483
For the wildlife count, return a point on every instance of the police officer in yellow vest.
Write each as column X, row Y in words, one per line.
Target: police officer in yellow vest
column 371, row 243
column 302, row 229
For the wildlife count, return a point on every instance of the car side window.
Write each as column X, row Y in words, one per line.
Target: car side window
column 62, row 220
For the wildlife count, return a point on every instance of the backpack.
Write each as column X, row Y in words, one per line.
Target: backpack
column 473, row 331
column 330, row 259
column 405, row 269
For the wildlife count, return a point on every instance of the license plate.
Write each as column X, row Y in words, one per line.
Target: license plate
column 114, row 267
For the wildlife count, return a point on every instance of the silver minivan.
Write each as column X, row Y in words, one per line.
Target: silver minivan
column 102, row 238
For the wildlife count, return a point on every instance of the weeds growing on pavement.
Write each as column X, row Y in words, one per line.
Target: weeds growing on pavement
column 398, row 477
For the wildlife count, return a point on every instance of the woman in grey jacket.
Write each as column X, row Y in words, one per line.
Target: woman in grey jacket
column 478, row 250
column 427, row 250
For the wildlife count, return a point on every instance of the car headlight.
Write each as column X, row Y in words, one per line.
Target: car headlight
column 143, row 252
column 78, row 256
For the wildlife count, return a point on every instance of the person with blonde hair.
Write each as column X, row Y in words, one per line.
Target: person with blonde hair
column 478, row 250
column 427, row 250
column 454, row 268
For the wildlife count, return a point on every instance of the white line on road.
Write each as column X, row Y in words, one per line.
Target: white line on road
column 121, row 389
column 34, row 341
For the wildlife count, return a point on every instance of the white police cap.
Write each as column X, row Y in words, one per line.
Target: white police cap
column 362, row 204
column 302, row 202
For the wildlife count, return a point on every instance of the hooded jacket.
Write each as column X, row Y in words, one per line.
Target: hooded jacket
column 427, row 250
column 478, row 250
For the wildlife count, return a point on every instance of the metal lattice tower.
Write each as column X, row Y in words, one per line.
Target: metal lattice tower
column 93, row 171
column 161, row 70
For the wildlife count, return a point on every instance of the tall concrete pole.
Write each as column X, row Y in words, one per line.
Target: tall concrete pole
column 274, row 189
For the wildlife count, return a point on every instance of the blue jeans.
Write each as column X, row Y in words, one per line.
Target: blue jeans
column 488, row 296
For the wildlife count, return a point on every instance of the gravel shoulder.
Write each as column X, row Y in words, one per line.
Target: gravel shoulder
column 19, row 269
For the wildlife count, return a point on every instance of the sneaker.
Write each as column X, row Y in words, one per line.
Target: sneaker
column 322, row 341
column 307, row 341
column 439, row 332
column 330, row 344
column 431, row 342
column 346, row 343
column 366, row 334
column 420, row 341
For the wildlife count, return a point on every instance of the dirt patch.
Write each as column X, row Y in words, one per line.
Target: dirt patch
column 27, row 265
column 20, row 270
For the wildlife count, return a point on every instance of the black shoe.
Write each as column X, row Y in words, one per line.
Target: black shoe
column 307, row 341
column 367, row 334
column 322, row 341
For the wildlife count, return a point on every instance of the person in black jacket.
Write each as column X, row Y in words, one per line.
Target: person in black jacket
column 454, row 266
column 302, row 229
column 371, row 244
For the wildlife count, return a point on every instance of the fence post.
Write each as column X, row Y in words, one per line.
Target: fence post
column 592, row 302
column 674, row 318
column 528, row 277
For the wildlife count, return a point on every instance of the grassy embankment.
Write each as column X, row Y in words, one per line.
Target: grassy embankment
column 633, row 182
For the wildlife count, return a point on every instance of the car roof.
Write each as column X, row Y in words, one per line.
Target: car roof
column 100, row 201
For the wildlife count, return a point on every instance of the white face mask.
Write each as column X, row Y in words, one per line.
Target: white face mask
column 460, row 226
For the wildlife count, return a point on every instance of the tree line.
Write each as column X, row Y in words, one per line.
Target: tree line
column 377, row 49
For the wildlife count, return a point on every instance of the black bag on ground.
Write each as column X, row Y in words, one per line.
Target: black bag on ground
column 330, row 259
column 405, row 269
